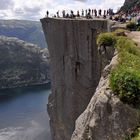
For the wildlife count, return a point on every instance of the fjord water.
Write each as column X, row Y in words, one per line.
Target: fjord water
column 23, row 113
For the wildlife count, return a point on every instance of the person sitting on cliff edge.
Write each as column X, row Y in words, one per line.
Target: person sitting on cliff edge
column 78, row 15
column 72, row 14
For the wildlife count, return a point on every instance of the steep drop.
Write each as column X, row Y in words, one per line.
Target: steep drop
column 75, row 70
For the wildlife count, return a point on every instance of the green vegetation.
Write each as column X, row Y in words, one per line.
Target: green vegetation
column 132, row 26
column 125, row 77
column 138, row 28
column 135, row 135
column 106, row 39
column 120, row 32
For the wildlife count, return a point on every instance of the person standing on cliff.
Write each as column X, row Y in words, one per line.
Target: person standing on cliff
column 57, row 14
column 47, row 13
column 72, row 14
column 100, row 12
column 63, row 14
column 82, row 12
column 86, row 12
column 92, row 12
column 95, row 12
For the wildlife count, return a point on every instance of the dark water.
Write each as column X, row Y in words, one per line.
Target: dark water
column 23, row 113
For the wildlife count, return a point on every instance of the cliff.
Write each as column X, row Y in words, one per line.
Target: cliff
column 22, row 63
column 75, row 70
column 106, row 117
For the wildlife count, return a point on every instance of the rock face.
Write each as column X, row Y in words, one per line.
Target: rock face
column 129, row 5
column 22, row 63
column 106, row 117
column 75, row 70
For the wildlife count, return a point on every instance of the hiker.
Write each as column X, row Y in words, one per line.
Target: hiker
column 57, row 14
column 111, row 12
column 82, row 12
column 63, row 13
column 100, row 12
column 72, row 14
column 95, row 12
column 104, row 12
column 67, row 15
column 78, row 15
column 89, row 12
column 86, row 12
column 92, row 12
column 107, row 12
column 47, row 13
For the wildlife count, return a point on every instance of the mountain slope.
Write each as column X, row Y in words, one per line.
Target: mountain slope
column 22, row 63
column 130, row 5
column 30, row 31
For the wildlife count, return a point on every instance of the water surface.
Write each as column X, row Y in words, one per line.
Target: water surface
column 23, row 113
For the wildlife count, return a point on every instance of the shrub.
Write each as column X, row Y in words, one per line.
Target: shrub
column 135, row 135
column 120, row 32
column 126, row 83
column 106, row 39
column 138, row 28
column 125, row 77
column 132, row 26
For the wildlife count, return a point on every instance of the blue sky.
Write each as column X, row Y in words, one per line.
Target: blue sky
column 36, row 9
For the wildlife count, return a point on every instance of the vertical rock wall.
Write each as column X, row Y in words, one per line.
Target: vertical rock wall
column 75, row 70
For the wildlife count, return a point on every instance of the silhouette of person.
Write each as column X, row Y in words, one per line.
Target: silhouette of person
column 95, row 12
column 89, row 12
column 63, row 13
column 86, row 13
column 47, row 13
column 82, row 12
column 78, row 15
column 104, row 12
column 92, row 12
column 100, row 12
column 72, row 14
column 57, row 13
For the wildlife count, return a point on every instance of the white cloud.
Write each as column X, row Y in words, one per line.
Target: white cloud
column 36, row 9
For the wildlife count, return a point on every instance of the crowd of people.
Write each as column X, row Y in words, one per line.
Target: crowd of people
column 133, row 14
column 88, row 13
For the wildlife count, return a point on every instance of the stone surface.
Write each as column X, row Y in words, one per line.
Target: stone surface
column 135, row 36
column 129, row 5
column 106, row 117
column 22, row 63
column 75, row 70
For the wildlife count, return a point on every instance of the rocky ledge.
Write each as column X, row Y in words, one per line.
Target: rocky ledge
column 106, row 117
column 22, row 63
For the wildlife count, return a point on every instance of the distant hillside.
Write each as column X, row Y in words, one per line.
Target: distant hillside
column 30, row 31
column 130, row 5
column 22, row 63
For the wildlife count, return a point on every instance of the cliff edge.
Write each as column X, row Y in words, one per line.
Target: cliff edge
column 75, row 70
column 106, row 117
